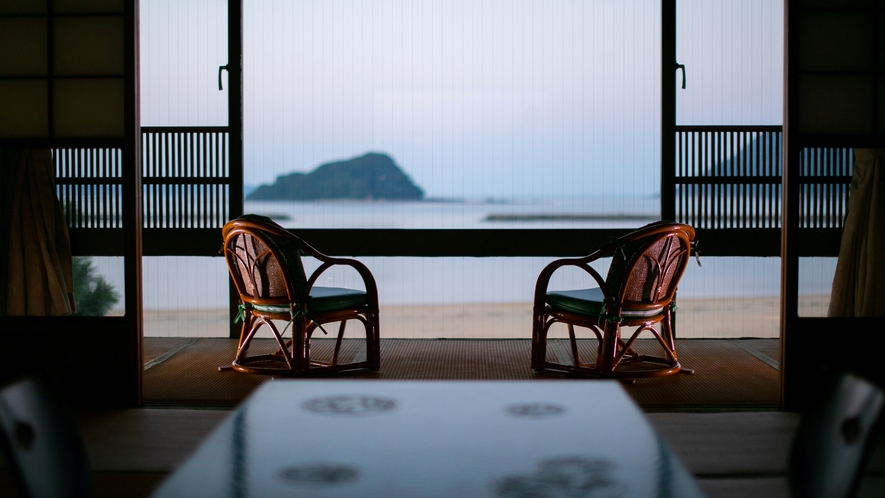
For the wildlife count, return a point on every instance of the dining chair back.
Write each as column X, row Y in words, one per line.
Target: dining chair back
column 41, row 443
column 834, row 437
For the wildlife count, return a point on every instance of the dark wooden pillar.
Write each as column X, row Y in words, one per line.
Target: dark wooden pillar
column 235, row 125
column 668, row 109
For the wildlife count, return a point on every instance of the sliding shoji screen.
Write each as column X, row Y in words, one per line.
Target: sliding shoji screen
column 62, row 82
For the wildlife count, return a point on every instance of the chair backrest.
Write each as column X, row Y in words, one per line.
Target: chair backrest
column 264, row 260
column 41, row 441
column 833, row 438
column 648, row 263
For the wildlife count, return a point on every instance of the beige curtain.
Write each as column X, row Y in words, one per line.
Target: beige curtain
column 859, row 282
column 37, row 278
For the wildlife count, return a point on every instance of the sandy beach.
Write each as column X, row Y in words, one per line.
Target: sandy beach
column 721, row 318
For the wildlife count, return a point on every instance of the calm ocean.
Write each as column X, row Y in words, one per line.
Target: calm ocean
column 472, row 214
column 196, row 282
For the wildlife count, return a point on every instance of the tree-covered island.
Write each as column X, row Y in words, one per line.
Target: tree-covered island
column 369, row 177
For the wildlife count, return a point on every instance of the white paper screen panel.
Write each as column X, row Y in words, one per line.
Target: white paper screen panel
column 25, row 108
column 89, row 107
column 23, row 6
column 23, row 47
column 88, row 46
column 839, row 69
column 836, row 104
column 62, row 71
column 88, row 6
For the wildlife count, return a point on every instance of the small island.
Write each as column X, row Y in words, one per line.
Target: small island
column 372, row 176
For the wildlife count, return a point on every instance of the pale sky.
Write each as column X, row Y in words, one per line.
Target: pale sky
column 495, row 98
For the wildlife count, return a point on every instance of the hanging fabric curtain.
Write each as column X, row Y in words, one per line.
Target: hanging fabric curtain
column 859, row 282
column 37, row 278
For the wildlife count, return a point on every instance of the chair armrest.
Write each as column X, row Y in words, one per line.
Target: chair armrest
column 329, row 261
column 582, row 263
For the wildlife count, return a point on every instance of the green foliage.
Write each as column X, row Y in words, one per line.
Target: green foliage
column 93, row 295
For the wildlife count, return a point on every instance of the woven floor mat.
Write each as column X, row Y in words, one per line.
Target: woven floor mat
column 727, row 376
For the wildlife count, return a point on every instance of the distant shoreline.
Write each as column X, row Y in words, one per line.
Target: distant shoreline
column 570, row 217
column 711, row 318
column 529, row 217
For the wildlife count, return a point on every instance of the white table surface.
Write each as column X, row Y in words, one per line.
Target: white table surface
column 434, row 438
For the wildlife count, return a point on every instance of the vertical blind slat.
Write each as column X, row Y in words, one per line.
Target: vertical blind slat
column 185, row 181
column 730, row 178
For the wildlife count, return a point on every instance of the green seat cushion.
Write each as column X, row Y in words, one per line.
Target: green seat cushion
column 335, row 298
column 588, row 302
column 584, row 301
column 323, row 299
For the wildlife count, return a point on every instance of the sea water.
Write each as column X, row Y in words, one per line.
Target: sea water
column 179, row 282
column 488, row 213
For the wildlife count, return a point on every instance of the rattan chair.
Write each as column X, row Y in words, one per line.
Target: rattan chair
column 265, row 264
column 638, row 291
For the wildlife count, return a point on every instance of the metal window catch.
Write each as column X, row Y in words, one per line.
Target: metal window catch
column 225, row 68
column 682, row 67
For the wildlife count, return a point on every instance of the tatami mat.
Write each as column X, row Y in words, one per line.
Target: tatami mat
column 155, row 347
column 728, row 377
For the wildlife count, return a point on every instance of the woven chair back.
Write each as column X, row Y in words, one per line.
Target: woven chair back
column 265, row 265
column 646, row 269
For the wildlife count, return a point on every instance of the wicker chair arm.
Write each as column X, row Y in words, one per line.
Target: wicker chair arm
column 582, row 263
column 329, row 262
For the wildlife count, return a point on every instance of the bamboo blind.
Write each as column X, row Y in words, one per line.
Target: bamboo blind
column 185, row 181
column 729, row 177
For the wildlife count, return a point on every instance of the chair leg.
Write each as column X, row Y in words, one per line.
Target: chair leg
column 574, row 343
column 338, row 342
column 599, row 341
column 670, row 335
column 290, row 360
column 667, row 328
column 246, row 322
column 539, row 340
column 300, row 345
column 247, row 325
column 373, row 341
column 246, row 338
column 610, row 337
